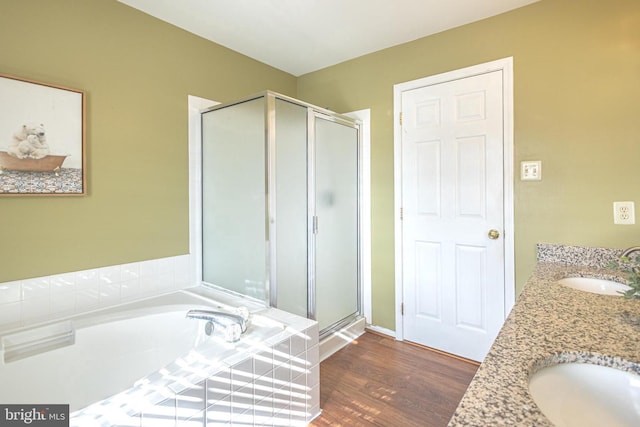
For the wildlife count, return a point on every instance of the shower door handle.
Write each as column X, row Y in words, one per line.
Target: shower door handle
column 315, row 224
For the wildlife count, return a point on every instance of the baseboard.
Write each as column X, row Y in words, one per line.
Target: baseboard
column 381, row 331
column 341, row 338
column 391, row 334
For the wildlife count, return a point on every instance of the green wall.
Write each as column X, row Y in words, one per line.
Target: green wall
column 577, row 109
column 137, row 72
column 577, row 85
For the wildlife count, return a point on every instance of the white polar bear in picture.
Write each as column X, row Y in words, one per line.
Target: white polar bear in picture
column 29, row 142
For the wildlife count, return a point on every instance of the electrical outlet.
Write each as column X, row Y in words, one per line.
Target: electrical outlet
column 624, row 213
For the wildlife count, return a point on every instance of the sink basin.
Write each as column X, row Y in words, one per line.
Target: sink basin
column 582, row 394
column 596, row 286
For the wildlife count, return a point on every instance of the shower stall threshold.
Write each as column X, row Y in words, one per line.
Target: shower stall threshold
column 341, row 338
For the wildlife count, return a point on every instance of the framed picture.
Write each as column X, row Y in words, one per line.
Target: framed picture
column 42, row 139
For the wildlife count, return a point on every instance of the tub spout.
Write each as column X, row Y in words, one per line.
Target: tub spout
column 234, row 324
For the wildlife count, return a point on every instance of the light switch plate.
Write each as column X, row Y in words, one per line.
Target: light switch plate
column 531, row 170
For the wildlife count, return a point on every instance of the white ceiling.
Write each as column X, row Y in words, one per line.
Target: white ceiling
column 300, row 36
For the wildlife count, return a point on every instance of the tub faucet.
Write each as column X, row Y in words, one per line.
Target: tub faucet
column 630, row 250
column 234, row 324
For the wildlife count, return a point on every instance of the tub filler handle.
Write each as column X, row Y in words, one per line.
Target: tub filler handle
column 234, row 324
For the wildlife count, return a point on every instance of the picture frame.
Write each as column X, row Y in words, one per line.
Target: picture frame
column 42, row 139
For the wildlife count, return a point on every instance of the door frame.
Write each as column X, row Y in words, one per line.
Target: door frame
column 506, row 66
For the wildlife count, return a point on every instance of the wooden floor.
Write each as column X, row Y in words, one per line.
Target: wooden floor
column 378, row 381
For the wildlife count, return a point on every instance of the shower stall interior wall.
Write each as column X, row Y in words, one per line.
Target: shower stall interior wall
column 280, row 200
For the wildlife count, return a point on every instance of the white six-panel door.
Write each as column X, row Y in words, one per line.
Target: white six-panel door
column 453, row 214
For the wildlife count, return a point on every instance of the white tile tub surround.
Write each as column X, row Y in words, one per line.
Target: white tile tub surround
column 273, row 382
column 263, row 382
column 30, row 301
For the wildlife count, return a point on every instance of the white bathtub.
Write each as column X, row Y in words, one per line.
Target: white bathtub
column 144, row 363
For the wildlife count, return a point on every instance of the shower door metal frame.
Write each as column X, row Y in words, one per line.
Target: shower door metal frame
column 313, row 112
column 312, row 227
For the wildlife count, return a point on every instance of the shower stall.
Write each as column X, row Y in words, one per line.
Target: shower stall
column 280, row 206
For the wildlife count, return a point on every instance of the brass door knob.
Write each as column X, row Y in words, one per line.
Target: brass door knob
column 493, row 234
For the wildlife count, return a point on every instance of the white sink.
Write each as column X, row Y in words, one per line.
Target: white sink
column 584, row 395
column 596, row 286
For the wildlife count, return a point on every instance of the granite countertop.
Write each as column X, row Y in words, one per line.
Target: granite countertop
column 549, row 324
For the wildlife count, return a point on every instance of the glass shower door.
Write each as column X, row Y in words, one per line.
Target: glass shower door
column 336, row 210
column 280, row 193
column 290, row 261
column 234, row 216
